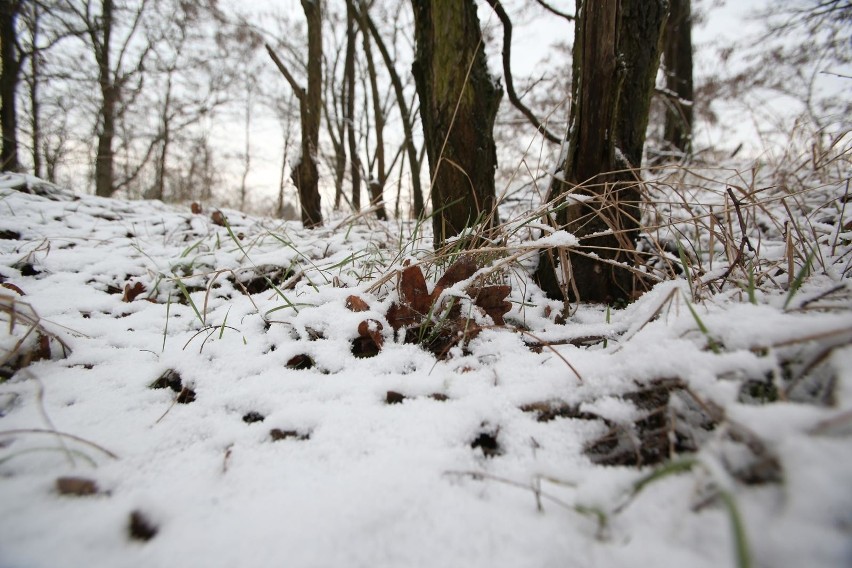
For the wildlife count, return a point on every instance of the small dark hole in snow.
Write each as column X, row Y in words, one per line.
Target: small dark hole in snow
column 393, row 397
column 487, row 442
column 141, row 527
column 440, row 397
column 9, row 235
column 253, row 416
column 27, row 269
column 364, row 347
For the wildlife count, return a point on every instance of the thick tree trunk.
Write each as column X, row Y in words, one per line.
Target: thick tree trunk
column 458, row 105
column 616, row 56
column 305, row 175
column 11, row 66
column 677, row 58
column 105, row 159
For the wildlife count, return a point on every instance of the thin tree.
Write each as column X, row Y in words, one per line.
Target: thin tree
column 458, row 106
column 677, row 58
column 414, row 160
column 596, row 189
column 305, row 174
column 349, row 81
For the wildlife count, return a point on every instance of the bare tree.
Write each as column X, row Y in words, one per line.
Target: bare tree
column 405, row 112
column 305, row 174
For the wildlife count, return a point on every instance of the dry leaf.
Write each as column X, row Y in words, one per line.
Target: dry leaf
column 195, row 208
column 462, row 269
column 218, row 218
column 131, row 292
column 492, row 300
column 401, row 316
column 77, row 486
column 372, row 329
column 413, row 290
column 356, row 304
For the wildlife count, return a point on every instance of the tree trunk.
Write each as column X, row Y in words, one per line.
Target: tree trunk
column 678, row 62
column 11, row 66
column 458, row 105
column 105, row 159
column 349, row 107
column 616, row 56
column 305, row 175
column 376, row 184
column 407, row 127
column 35, row 106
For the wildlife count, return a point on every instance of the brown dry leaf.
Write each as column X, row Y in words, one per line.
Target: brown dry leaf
column 195, row 208
column 300, row 362
column 492, row 300
column 401, row 316
column 43, row 351
column 413, row 290
column 218, row 218
column 462, row 269
column 76, row 486
column 131, row 292
column 372, row 329
column 356, row 304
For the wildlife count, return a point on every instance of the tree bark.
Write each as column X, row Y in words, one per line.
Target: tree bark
column 458, row 106
column 35, row 100
column 305, row 174
column 616, row 56
column 349, row 106
column 376, row 184
column 105, row 159
column 11, row 66
column 677, row 57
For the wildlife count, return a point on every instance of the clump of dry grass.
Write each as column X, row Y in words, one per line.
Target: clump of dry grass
column 27, row 340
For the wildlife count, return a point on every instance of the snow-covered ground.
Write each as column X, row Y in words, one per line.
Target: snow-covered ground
column 277, row 440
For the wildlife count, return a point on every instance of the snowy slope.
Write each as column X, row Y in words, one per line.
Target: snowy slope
column 403, row 458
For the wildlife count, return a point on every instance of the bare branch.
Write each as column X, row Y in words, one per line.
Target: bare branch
column 297, row 89
column 553, row 10
column 507, row 73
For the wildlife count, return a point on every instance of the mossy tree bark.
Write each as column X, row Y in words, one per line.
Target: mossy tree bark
column 616, row 57
column 458, row 106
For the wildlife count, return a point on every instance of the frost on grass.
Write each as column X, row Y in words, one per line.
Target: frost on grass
column 180, row 388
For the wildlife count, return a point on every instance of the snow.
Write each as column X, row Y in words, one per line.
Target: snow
column 362, row 482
